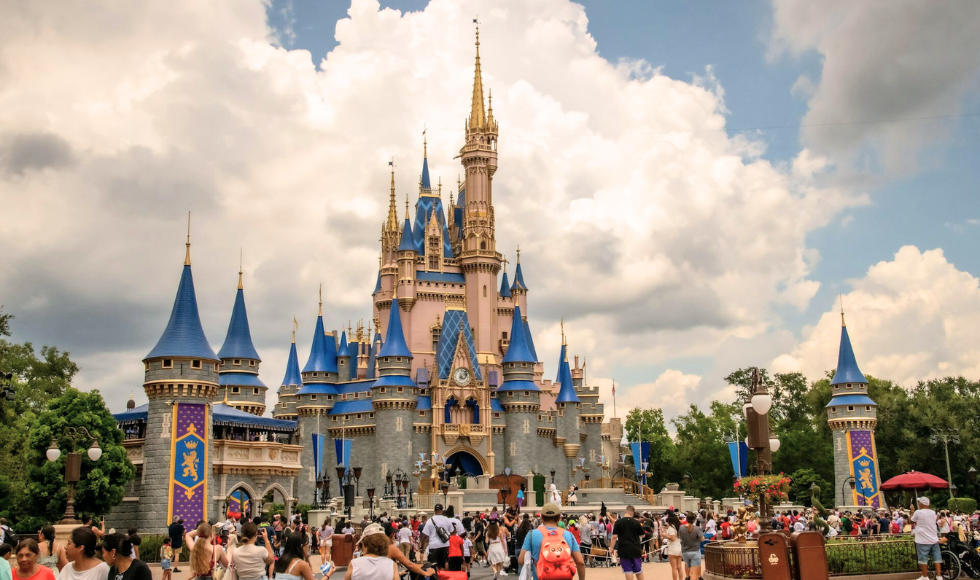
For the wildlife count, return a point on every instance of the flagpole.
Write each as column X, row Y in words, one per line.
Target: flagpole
column 614, row 398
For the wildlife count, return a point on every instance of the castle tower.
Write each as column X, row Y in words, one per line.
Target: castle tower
column 519, row 288
column 240, row 386
column 180, row 381
column 478, row 256
column 343, row 359
column 852, row 416
column 567, row 406
column 292, row 382
column 520, row 399
column 394, row 399
column 321, row 366
column 591, row 413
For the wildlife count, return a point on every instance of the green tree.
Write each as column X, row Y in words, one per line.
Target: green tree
column 701, row 449
column 102, row 482
column 649, row 424
column 799, row 489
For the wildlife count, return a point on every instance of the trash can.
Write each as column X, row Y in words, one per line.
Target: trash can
column 774, row 556
column 810, row 556
column 343, row 549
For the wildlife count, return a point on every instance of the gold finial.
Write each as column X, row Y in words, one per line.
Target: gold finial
column 392, row 224
column 477, row 116
column 563, row 334
column 241, row 256
column 518, row 254
column 187, row 255
column 842, row 323
column 440, row 187
column 320, row 311
column 425, row 143
column 505, row 261
column 406, row 205
column 295, row 328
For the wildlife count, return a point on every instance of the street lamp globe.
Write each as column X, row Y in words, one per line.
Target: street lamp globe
column 53, row 453
column 762, row 402
column 94, row 452
column 773, row 443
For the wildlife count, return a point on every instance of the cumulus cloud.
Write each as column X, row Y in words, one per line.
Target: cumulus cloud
column 881, row 60
column 915, row 317
column 653, row 232
column 672, row 391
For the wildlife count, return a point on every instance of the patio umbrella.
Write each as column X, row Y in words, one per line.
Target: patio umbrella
column 914, row 480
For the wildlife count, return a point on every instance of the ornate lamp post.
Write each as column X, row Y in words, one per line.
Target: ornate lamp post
column 552, row 475
column 341, row 470
column 389, row 487
column 73, row 465
column 760, row 438
column 357, row 480
column 504, row 492
column 370, row 492
column 946, row 436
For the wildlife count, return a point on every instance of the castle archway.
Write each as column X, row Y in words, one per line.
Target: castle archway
column 463, row 462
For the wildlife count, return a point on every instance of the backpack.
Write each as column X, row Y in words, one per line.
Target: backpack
column 555, row 556
column 894, row 528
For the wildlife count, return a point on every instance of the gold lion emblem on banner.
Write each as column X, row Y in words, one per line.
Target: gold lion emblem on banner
column 190, row 464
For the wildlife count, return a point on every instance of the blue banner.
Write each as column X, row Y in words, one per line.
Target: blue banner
column 740, row 458
column 343, row 447
column 641, row 454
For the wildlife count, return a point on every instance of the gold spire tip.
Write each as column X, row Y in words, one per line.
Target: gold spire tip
column 518, row 254
column 320, row 313
column 842, row 323
column 241, row 257
column 187, row 254
column 425, row 144
column 295, row 328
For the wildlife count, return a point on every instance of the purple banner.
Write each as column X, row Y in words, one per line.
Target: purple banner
column 189, row 463
column 864, row 467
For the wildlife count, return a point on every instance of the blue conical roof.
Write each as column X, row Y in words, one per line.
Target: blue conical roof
column 518, row 351
column 320, row 360
column 238, row 341
column 561, row 363
column 530, row 341
column 344, row 349
column 566, row 394
column 407, row 243
column 847, row 366
column 518, row 279
column 184, row 335
column 394, row 344
column 292, row 376
column 426, row 184
column 505, row 287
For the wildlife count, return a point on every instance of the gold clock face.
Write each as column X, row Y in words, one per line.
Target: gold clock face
column 462, row 377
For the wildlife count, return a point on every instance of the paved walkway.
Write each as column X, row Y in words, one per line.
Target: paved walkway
column 651, row 571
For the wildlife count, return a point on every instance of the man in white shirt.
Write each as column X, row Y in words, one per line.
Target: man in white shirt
column 405, row 539
column 438, row 548
column 926, row 533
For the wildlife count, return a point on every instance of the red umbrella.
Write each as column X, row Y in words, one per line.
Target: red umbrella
column 914, row 480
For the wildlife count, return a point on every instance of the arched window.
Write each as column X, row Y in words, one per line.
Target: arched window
column 450, row 404
column 475, row 409
column 483, row 244
column 484, row 291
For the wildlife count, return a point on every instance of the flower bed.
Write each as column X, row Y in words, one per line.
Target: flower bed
column 771, row 487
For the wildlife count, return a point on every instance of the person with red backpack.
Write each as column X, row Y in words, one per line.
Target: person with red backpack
column 554, row 553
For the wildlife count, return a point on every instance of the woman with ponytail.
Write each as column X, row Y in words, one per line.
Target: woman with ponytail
column 117, row 551
column 204, row 552
column 52, row 554
column 82, row 563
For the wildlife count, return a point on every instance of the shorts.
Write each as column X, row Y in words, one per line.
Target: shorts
column 924, row 551
column 631, row 565
column 468, row 559
column 164, row 564
column 438, row 557
column 691, row 559
column 455, row 563
column 585, row 549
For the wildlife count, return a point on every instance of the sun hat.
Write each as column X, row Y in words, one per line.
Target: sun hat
column 372, row 529
column 923, row 500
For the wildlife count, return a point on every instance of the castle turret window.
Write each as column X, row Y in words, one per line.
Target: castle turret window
column 237, row 362
column 168, row 363
column 195, row 364
column 850, row 407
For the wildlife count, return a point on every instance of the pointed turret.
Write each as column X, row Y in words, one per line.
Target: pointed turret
column 566, row 394
column 847, row 367
column 519, row 276
column 292, row 378
column 184, row 336
column 323, row 351
column 504, row 286
column 238, row 339
column 518, row 350
column 477, row 118
column 239, row 375
column 424, row 182
column 408, row 239
column 343, row 349
column 344, row 371
column 392, row 223
column 394, row 344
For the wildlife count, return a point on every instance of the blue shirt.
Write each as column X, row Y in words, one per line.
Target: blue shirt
column 532, row 543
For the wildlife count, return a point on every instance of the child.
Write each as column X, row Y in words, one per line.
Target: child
column 166, row 556
column 467, row 552
column 456, row 552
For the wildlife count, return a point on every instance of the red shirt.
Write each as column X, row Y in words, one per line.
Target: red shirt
column 44, row 573
column 455, row 546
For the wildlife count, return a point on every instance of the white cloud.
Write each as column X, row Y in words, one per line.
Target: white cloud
column 654, row 238
column 913, row 318
column 672, row 391
column 881, row 60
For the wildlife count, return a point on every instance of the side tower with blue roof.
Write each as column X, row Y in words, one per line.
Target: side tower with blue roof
column 852, row 417
column 520, row 398
column 394, row 398
column 567, row 406
column 292, row 382
column 240, row 385
column 181, row 369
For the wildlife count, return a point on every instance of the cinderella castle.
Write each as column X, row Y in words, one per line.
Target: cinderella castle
column 448, row 382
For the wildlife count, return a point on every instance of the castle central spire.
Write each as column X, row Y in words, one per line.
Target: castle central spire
column 477, row 116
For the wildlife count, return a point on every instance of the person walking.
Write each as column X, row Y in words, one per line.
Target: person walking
column 496, row 548
column 250, row 560
column 926, row 532
column 691, row 536
column 673, row 546
column 326, row 542
column 627, row 544
column 204, row 553
column 176, row 532
column 547, row 535
column 292, row 564
column 435, row 537
column 117, row 552
column 27, row 566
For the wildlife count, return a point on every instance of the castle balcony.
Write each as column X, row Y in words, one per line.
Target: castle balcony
column 134, row 449
column 451, row 432
column 256, row 457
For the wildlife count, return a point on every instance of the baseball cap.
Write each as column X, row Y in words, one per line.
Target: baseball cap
column 372, row 529
column 923, row 500
column 437, row 507
column 550, row 510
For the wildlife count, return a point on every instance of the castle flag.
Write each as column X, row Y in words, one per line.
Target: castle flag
column 189, row 463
